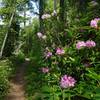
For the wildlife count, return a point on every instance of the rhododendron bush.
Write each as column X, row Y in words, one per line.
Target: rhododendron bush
column 70, row 65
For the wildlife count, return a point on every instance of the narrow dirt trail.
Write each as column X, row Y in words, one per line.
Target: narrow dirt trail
column 16, row 91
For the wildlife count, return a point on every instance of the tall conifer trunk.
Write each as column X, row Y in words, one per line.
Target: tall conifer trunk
column 40, row 14
column 61, row 15
column 62, row 6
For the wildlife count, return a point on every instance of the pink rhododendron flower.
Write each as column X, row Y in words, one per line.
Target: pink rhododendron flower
column 48, row 54
column 90, row 44
column 45, row 69
column 80, row 44
column 94, row 22
column 60, row 51
column 39, row 34
column 46, row 16
column 67, row 81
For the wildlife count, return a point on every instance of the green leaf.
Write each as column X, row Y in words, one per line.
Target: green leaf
column 93, row 74
column 46, row 89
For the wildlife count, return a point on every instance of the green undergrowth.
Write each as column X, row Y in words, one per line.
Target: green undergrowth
column 17, row 59
column 6, row 70
column 33, row 82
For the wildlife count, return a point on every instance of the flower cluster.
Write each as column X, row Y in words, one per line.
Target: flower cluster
column 88, row 43
column 48, row 54
column 67, row 81
column 46, row 16
column 40, row 35
column 45, row 69
column 80, row 44
column 60, row 51
column 94, row 22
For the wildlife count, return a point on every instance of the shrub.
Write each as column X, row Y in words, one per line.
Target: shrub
column 5, row 72
column 70, row 57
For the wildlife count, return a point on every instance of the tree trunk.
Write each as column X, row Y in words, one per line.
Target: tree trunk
column 40, row 15
column 62, row 8
column 5, row 38
column 61, row 15
column 24, row 15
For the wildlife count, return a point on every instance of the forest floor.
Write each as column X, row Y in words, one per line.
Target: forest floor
column 16, row 91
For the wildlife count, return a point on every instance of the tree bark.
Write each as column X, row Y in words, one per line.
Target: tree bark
column 40, row 15
column 62, row 8
column 5, row 38
column 61, row 15
column 24, row 15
